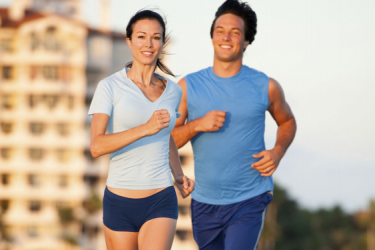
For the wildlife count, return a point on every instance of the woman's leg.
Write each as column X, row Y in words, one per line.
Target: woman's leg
column 157, row 234
column 118, row 240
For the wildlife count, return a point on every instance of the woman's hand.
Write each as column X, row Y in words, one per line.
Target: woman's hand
column 159, row 120
column 185, row 185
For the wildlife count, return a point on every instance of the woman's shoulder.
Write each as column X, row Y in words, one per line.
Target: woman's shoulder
column 174, row 86
column 113, row 81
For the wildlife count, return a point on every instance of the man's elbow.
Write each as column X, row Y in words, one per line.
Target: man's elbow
column 178, row 142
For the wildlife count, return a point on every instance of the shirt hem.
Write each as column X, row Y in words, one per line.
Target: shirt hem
column 140, row 187
column 202, row 199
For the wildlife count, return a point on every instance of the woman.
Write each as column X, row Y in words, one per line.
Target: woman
column 139, row 109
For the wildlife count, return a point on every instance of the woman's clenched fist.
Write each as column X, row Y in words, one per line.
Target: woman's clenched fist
column 159, row 120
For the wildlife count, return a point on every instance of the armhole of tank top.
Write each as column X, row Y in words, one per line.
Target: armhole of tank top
column 267, row 92
column 187, row 98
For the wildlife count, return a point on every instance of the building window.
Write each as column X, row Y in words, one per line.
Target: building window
column 66, row 73
column 90, row 180
column 4, row 205
column 51, row 100
column 36, row 128
column 51, row 42
column 6, row 153
column 33, row 100
column 181, row 234
column 70, row 102
column 7, row 102
column 34, row 41
column 183, row 210
column 34, row 72
column 5, row 179
column 88, row 155
column 182, row 159
column 50, row 72
column 8, row 72
column 63, row 128
column 6, row 127
column 63, row 181
column 34, row 180
column 36, row 154
column 6, row 45
column 35, row 206
column 62, row 155
column 32, row 231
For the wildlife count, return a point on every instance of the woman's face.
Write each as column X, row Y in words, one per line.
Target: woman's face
column 146, row 41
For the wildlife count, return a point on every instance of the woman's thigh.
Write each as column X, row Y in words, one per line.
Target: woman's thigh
column 117, row 240
column 157, row 234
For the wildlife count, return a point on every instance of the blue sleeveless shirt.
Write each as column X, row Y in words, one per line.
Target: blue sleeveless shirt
column 223, row 159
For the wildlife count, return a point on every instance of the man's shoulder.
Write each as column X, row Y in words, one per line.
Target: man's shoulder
column 196, row 78
column 253, row 72
column 200, row 73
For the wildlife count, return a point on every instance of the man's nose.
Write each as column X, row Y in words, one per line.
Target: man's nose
column 226, row 36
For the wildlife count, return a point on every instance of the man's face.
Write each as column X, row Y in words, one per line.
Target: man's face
column 228, row 38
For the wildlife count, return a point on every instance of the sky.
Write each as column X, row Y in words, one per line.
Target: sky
column 323, row 55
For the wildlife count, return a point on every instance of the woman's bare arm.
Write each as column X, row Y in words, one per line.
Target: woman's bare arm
column 183, row 183
column 102, row 143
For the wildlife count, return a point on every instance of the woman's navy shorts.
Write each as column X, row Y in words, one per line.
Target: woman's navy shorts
column 126, row 214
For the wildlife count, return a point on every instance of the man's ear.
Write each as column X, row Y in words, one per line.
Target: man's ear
column 246, row 44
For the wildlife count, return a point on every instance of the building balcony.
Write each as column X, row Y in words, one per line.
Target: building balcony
column 74, row 192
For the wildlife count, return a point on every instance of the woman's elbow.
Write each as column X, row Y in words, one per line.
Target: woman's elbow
column 94, row 151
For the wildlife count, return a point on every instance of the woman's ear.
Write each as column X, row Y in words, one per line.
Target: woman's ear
column 129, row 42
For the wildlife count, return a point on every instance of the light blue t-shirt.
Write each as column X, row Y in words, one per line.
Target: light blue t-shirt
column 223, row 159
column 143, row 164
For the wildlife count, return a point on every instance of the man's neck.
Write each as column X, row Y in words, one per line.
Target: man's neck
column 227, row 69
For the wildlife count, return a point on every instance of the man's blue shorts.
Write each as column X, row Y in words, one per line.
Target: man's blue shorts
column 231, row 227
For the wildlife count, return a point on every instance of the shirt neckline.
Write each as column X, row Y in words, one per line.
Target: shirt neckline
column 226, row 79
column 136, row 88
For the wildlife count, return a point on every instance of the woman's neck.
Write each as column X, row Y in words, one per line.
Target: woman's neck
column 141, row 74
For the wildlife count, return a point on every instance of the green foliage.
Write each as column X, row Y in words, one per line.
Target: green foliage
column 93, row 203
column 71, row 240
column 66, row 215
column 323, row 229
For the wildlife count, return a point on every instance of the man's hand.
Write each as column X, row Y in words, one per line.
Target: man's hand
column 268, row 165
column 212, row 121
column 185, row 185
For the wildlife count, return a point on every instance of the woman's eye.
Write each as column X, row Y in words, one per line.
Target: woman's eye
column 157, row 38
column 141, row 37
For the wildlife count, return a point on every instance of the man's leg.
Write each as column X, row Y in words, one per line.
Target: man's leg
column 245, row 228
column 208, row 231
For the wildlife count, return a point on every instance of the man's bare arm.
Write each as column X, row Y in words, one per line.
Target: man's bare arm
column 287, row 127
column 182, row 133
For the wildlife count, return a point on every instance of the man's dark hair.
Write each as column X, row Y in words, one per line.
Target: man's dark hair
column 242, row 10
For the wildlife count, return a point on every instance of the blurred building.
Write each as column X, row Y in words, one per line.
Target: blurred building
column 50, row 186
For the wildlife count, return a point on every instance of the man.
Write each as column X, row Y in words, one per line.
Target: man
column 225, row 109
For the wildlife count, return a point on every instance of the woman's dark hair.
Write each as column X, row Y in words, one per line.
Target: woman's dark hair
column 151, row 15
column 242, row 10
